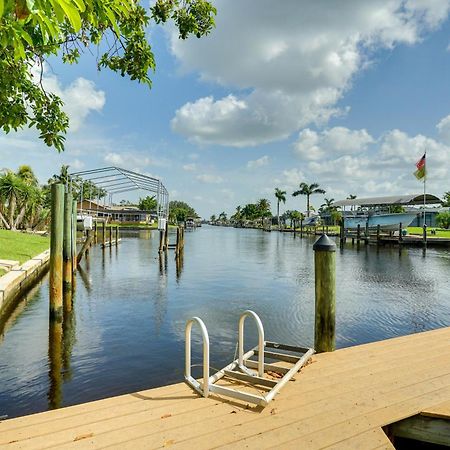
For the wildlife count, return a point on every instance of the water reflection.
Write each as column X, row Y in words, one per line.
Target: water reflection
column 125, row 331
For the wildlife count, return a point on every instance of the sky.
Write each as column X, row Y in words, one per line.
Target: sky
column 347, row 94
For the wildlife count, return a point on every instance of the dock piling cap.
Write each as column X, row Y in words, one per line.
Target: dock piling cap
column 324, row 244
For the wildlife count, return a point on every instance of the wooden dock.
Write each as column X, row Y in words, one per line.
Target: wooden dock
column 341, row 401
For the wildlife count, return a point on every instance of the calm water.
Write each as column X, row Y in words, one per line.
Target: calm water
column 126, row 331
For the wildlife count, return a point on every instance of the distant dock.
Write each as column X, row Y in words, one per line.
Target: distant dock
column 351, row 398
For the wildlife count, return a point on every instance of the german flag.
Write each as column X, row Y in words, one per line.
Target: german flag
column 421, row 169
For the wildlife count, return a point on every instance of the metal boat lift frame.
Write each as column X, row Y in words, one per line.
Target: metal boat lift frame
column 240, row 368
column 115, row 180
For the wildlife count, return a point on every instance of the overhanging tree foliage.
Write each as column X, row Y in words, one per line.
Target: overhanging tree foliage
column 33, row 30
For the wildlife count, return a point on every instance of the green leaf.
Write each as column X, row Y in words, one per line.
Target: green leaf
column 26, row 37
column 72, row 14
column 80, row 5
column 2, row 7
column 112, row 19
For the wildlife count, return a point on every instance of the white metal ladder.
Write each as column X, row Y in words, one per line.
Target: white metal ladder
column 240, row 369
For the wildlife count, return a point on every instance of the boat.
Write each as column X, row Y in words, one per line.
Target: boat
column 378, row 211
column 387, row 222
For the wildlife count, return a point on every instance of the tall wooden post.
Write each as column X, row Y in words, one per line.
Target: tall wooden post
column 358, row 233
column 400, row 229
column 378, row 234
column 166, row 237
column 161, row 241
column 342, row 232
column 56, row 252
column 104, row 232
column 67, row 252
column 301, row 228
column 325, row 290
column 74, row 238
column 177, row 247
column 110, row 235
column 95, row 230
column 67, row 242
column 424, row 235
column 117, row 235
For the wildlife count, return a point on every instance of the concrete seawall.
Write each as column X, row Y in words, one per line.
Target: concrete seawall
column 18, row 281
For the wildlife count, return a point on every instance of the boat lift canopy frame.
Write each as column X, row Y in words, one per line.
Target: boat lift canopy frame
column 115, row 180
column 243, row 364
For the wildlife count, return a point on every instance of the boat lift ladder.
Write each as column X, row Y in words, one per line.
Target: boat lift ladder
column 243, row 368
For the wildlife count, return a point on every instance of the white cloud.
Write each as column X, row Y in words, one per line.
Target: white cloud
column 130, row 160
column 76, row 164
column 287, row 67
column 260, row 162
column 192, row 167
column 209, row 178
column 444, row 129
column 80, row 97
column 338, row 140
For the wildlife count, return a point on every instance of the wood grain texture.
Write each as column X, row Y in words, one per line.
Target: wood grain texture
column 339, row 401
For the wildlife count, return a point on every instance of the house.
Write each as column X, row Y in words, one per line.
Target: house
column 116, row 213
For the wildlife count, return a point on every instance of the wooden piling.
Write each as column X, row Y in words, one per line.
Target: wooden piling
column 424, row 235
column 117, row 235
column 67, row 244
column 166, row 237
column 104, row 233
column 110, row 235
column 56, row 250
column 301, row 228
column 74, row 239
column 85, row 247
column 342, row 232
column 325, row 294
column 378, row 234
column 358, row 234
column 95, row 230
column 161, row 241
column 177, row 245
column 400, row 236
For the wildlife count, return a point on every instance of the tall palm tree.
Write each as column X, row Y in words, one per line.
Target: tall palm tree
column 281, row 197
column 308, row 190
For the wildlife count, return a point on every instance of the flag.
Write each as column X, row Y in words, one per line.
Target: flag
column 421, row 170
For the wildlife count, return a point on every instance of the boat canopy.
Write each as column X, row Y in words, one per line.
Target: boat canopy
column 412, row 199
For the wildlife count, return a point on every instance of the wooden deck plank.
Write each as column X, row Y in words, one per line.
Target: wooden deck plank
column 441, row 410
column 322, row 416
column 338, row 401
column 90, row 418
column 369, row 440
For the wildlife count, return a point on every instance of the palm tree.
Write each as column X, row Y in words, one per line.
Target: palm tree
column 237, row 216
column 12, row 189
column 281, row 197
column 308, row 190
column 213, row 218
column 351, row 197
column 296, row 216
column 328, row 205
column 263, row 206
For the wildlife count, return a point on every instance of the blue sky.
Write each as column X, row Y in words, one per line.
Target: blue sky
column 346, row 94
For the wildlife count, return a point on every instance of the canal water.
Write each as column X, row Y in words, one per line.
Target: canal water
column 126, row 329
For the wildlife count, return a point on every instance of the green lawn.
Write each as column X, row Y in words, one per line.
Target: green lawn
column 21, row 246
column 439, row 231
